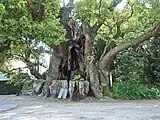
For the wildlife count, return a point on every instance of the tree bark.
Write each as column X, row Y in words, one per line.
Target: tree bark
column 92, row 71
column 53, row 69
column 94, row 80
column 37, row 14
column 59, row 51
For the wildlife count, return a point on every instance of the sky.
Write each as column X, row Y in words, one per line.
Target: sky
column 122, row 4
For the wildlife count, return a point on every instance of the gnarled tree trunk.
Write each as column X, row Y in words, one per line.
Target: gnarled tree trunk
column 92, row 71
column 55, row 60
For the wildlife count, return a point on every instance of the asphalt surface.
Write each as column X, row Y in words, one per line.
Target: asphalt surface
column 29, row 108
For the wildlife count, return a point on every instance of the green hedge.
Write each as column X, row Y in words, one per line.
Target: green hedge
column 7, row 89
column 135, row 91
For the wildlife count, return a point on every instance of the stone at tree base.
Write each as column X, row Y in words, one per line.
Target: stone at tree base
column 27, row 92
column 76, row 94
column 44, row 92
column 63, row 93
column 38, row 86
column 71, row 88
column 56, row 86
column 85, row 88
column 78, row 90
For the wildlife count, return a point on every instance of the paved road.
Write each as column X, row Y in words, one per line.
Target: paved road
column 27, row 108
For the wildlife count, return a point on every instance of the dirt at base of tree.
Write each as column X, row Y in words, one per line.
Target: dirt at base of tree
column 35, row 109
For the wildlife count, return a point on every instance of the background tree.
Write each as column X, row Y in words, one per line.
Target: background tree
column 21, row 32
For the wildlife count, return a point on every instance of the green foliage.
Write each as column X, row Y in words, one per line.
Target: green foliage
column 124, row 90
column 16, row 22
column 21, row 81
column 7, row 89
column 138, row 73
column 87, row 10
column 152, row 67
column 130, row 78
column 99, row 45
column 78, row 78
column 129, row 67
column 1, row 8
column 4, row 62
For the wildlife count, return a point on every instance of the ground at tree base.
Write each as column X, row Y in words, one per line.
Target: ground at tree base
column 30, row 108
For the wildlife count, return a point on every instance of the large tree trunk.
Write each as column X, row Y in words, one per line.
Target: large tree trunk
column 94, row 80
column 53, row 73
column 91, row 69
column 59, row 51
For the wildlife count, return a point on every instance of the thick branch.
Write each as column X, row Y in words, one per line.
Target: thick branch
column 30, row 4
column 40, row 11
column 31, row 9
column 118, row 32
column 109, row 57
column 37, row 14
column 32, row 67
column 89, row 36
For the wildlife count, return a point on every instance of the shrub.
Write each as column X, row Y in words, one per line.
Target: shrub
column 124, row 90
column 7, row 89
column 22, row 81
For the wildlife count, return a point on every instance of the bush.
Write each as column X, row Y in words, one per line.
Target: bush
column 7, row 89
column 22, row 81
column 124, row 90
column 129, row 67
column 152, row 67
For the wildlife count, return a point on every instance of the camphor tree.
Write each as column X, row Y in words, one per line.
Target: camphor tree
column 120, row 29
